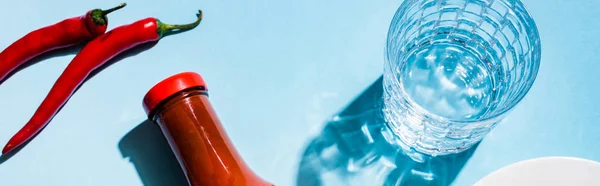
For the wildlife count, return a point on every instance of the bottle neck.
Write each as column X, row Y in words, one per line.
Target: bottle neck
column 199, row 141
column 194, row 91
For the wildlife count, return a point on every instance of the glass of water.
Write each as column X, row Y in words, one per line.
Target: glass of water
column 454, row 68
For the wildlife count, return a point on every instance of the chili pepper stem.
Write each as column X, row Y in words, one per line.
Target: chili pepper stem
column 99, row 16
column 167, row 29
column 108, row 11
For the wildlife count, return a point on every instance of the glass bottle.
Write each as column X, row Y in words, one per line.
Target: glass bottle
column 180, row 106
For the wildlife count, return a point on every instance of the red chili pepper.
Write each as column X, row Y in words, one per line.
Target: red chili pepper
column 60, row 35
column 93, row 55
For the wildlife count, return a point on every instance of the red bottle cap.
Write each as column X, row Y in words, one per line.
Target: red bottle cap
column 171, row 86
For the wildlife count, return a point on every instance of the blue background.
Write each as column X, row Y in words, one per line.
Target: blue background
column 276, row 70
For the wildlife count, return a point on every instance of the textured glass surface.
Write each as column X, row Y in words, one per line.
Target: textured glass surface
column 454, row 68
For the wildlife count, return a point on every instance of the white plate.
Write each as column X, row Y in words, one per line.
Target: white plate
column 547, row 171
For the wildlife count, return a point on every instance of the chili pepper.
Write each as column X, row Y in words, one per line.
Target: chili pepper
column 96, row 53
column 63, row 34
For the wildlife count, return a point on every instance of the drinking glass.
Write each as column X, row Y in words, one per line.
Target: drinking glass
column 454, row 68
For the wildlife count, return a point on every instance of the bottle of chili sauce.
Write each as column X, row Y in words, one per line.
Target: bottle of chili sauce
column 180, row 106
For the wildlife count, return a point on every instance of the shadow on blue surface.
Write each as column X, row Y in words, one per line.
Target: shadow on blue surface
column 148, row 150
column 7, row 156
column 357, row 148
